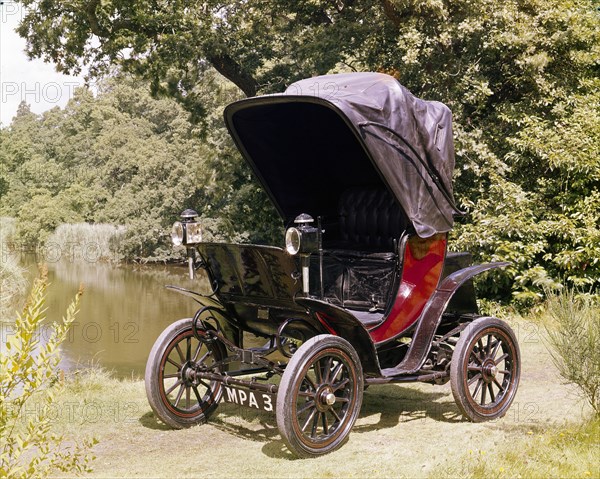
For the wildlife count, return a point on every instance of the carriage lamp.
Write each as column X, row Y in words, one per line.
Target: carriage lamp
column 303, row 239
column 187, row 232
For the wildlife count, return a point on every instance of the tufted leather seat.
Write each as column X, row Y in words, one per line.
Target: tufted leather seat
column 369, row 220
column 359, row 263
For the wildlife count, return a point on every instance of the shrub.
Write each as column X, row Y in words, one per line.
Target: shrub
column 574, row 341
column 29, row 383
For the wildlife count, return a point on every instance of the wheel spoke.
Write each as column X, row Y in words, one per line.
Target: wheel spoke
column 477, row 388
column 180, row 353
column 198, row 348
column 473, row 379
column 172, row 388
column 475, row 356
column 488, row 348
column 492, row 395
column 179, row 395
column 306, row 394
column 480, row 347
column 187, row 397
column 340, row 385
column 499, row 385
column 337, row 399
column 188, row 349
column 318, row 372
column 328, row 365
column 315, row 424
column 309, row 419
column 171, row 376
column 197, row 394
column 203, row 358
column 325, row 425
column 501, row 358
column 310, row 382
column 496, row 347
column 306, row 407
column 174, row 363
column 335, row 414
column 204, row 383
column 483, row 394
column 472, row 367
column 336, row 371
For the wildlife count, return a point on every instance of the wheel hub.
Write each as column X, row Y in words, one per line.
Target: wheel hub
column 490, row 370
column 325, row 398
column 187, row 373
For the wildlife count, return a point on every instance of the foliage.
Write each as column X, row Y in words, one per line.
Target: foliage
column 521, row 77
column 574, row 340
column 126, row 159
column 29, row 385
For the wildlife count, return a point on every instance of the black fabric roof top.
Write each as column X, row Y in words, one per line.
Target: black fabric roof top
column 327, row 134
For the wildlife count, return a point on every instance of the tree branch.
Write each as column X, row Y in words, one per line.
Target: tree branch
column 232, row 70
column 95, row 27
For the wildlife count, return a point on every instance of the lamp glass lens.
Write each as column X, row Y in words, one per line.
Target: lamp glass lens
column 293, row 239
column 193, row 233
column 177, row 233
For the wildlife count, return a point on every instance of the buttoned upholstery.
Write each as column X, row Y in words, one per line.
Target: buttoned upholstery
column 360, row 263
column 370, row 220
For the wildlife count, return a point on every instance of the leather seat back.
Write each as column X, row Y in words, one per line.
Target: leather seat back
column 370, row 219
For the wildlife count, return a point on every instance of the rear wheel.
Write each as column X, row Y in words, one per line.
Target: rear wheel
column 175, row 396
column 485, row 369
column 319, row 396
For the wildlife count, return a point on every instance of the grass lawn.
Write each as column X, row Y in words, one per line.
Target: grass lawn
column 403, row 431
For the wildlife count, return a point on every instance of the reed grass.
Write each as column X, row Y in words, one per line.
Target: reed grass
column 13, row 282
column 85, row 242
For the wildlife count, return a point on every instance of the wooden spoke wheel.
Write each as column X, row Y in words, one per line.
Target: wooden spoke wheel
column 176, row 396
column 485, row 369
column 319, row 396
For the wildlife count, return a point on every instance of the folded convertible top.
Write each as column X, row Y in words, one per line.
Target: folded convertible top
column 327, row 134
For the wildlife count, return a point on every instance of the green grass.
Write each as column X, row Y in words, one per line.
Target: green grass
column 572, row 451
column 404, row 431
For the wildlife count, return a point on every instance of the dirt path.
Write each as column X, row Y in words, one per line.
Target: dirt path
column 403, row 431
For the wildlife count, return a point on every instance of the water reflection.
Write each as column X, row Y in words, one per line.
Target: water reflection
column 122, row 311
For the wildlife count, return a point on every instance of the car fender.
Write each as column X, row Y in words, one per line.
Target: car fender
column 431, row 316
column 342, row 323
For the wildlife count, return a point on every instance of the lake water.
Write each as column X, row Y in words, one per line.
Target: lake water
column 122, row 311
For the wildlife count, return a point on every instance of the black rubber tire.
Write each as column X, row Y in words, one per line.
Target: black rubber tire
column 338, row 372
column 201, row 397
column 475, row 365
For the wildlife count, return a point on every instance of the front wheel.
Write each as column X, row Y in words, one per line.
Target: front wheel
column 175, row 395
column 485, row 369
column 320, row 396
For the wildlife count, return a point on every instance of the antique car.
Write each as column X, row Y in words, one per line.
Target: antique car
column 364, row 290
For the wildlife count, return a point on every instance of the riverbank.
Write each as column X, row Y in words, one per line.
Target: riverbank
column 403, row 431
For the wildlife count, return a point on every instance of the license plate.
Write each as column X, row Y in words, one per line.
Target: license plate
column 245, row 397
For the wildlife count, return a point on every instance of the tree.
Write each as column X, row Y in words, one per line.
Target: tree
column 513, row 73
column 125, row 158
